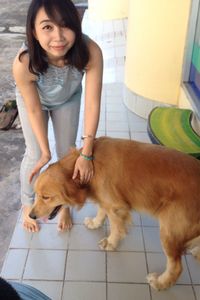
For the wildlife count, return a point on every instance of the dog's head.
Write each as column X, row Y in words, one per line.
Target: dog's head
column 55, row 188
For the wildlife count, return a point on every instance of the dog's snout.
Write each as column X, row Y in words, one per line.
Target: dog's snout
column 32, row 216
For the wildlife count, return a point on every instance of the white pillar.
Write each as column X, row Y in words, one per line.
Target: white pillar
column 108, row 9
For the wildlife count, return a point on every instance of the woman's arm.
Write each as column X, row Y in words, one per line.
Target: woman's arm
column 25, row 82
column 93, row 87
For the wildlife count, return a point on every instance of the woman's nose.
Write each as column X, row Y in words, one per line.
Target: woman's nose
column 58, row 33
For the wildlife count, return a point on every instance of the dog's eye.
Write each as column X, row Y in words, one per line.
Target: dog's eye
column 45, row 197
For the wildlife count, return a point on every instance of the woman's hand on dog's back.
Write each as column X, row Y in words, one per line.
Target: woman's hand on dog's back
column 44, row 159
column 83, row 169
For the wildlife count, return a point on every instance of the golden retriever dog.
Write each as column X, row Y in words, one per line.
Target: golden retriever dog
column 131, row 175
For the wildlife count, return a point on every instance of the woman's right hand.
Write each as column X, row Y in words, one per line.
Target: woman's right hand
column 26, row 83
column 44, row 159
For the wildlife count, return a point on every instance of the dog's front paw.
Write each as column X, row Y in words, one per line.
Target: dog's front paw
column 105, row 245
column 91, row 223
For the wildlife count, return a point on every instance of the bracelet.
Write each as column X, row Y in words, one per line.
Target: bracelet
column 91, row 157
column 87, row 136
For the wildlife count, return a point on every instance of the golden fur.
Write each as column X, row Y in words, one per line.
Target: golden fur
column 130, row 175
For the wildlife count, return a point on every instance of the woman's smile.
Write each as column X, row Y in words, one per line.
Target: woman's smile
column 59, row 48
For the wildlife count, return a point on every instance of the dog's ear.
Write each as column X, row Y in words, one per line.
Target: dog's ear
column 77, row 182
column 80, row 185
column 75, row 192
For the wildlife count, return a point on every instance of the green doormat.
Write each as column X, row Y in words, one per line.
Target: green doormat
column 171, row 127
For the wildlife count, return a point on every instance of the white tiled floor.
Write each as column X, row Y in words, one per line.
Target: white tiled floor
column 70, row 266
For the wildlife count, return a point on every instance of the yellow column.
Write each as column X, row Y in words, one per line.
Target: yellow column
column 108, row 9
column 155, row 48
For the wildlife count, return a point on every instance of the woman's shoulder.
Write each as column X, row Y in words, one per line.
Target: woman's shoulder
column 21, row 67
column 95, row 52
column 23, row 58
column 92, row 45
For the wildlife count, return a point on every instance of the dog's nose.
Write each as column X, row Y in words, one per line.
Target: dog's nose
column 32, row 216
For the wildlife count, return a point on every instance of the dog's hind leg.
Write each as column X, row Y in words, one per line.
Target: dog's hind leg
column 173, row 267
column 194, row 247
column 168, row 277
column 196, row 252
column 118, row 218
column 94, row 223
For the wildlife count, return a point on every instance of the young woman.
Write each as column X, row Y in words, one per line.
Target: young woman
column 48, row 71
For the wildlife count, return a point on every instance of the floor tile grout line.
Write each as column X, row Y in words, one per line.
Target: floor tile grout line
column 22, row 276
column 106, row 261
column 192, row 285
column 64, row 273
column 106, row 258
column 100, row 281
column 145, row 254
column 88, row 250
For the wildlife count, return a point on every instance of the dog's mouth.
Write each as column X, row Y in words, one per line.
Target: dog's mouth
column 54, row 212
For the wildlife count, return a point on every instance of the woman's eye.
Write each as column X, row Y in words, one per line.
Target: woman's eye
column 47, row 27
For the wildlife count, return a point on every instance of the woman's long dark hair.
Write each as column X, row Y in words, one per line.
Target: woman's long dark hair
column 63, row 13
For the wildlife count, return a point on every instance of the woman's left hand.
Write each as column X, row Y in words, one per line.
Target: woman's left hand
column 83, row 168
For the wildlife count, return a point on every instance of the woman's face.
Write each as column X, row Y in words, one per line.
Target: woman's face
column 54, row 39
